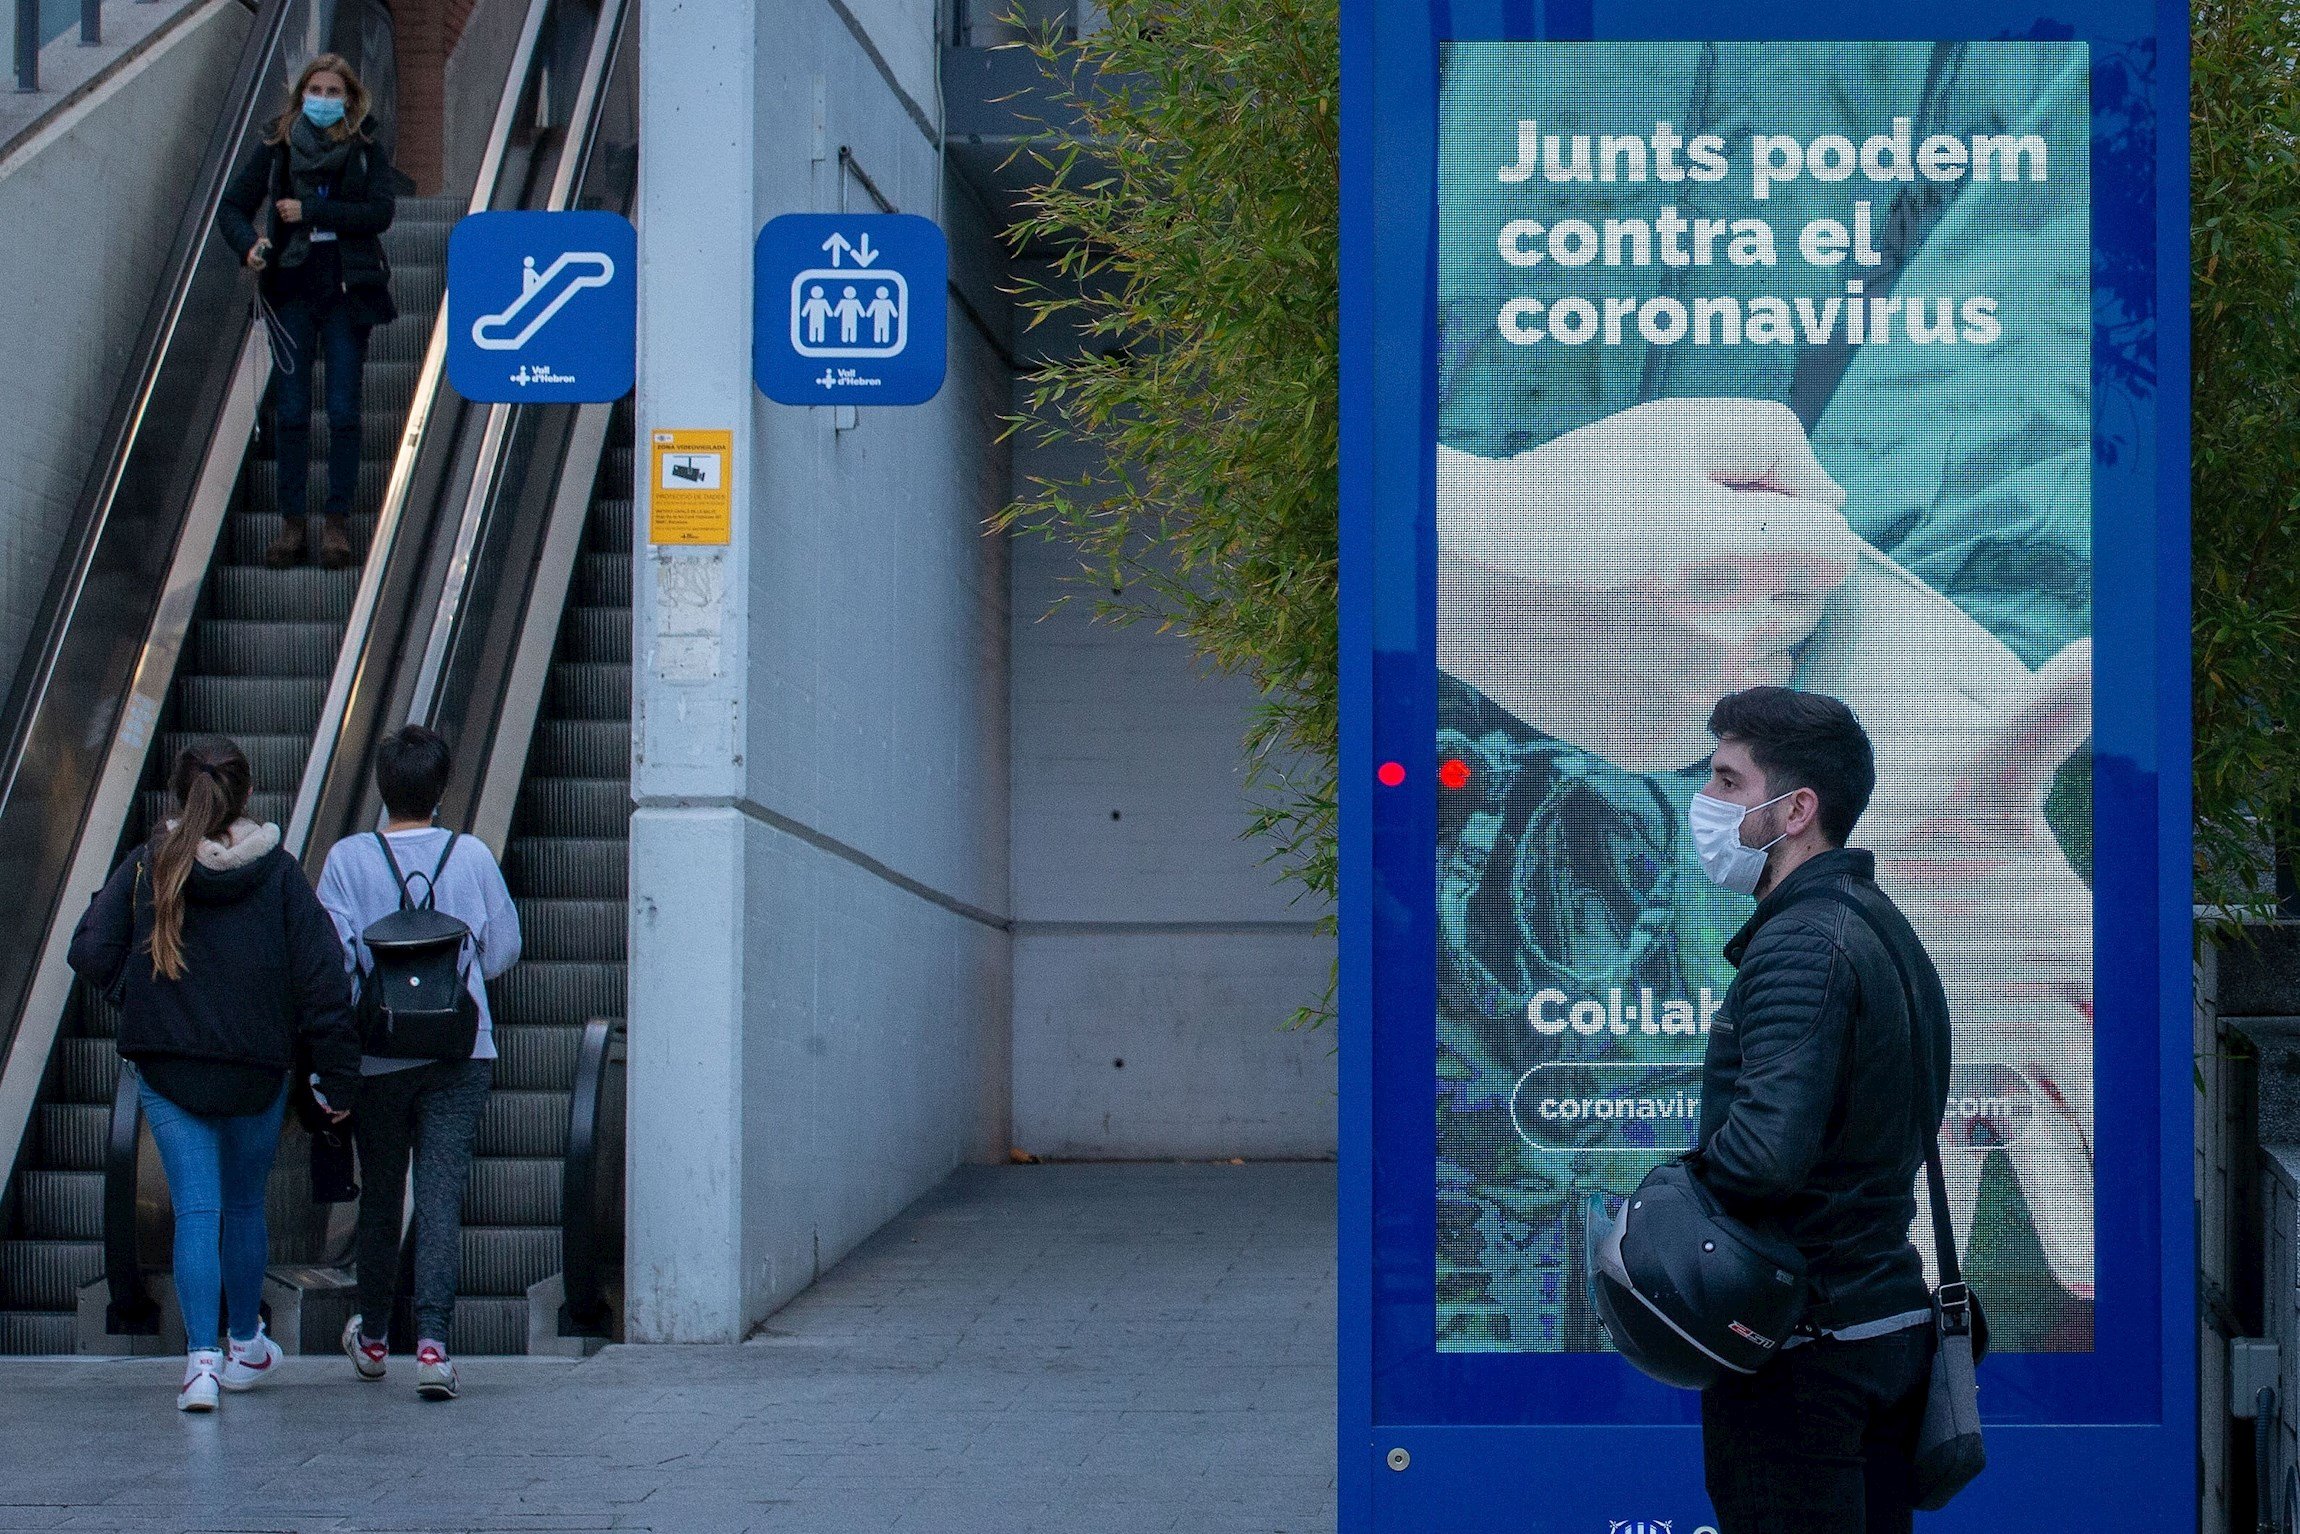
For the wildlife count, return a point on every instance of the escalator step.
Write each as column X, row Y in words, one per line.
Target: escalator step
column 237, row 647
column 276, row 760
column 503, row 1260
column 602, row 580
column 259, row 496
column 570, row 868
column 588, row 690
column 503, row 1191
column 47, row 1275
column 615, row 465
column 524, row 1124
column 489, row 1325
column 403, row 340
column 270, row 806
column 251, row 532
column 87, row 1070
column 231, row 705
column 581, row 748
column 73, row 1135
column 609, row 530
column 599, row 635
column 92, row 1017
column 39, row 1331
column 60, row 1206
column 536, row 1056
column 587, row 807
column 574, row 929
column 551, row 993
column 284, row 595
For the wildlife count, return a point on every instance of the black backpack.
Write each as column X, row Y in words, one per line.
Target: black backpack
column 413, row 1004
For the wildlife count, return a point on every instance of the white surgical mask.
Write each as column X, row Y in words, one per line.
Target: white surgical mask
column 1725, row 858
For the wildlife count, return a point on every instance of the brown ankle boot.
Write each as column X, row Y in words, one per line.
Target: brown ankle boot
column 335, row 543
column 287, row 545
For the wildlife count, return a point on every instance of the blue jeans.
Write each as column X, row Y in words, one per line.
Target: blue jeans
column 332, row 336
column 217, row 1172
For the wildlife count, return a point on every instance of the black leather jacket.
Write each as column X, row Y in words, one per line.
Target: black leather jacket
column 1811, row 1097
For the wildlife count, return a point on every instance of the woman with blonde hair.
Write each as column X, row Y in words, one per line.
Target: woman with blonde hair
column 323, row 186
column 220, row 958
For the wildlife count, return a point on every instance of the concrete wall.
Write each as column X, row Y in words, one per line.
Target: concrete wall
column 1147, row 931
column 820, row 961
column 89, row 203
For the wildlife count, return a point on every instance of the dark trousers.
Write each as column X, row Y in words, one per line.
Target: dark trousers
column 435, row 1110
column 1820, row 1440
column 331, row 336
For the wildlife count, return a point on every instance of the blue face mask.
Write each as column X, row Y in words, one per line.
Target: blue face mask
column 323, row 111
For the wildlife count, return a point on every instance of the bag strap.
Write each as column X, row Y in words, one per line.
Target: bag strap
column 1952, row 1293
column 431, row 880
column 407, row 901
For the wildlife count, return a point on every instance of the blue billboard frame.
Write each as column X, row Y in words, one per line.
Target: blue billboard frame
column 1569, row 1443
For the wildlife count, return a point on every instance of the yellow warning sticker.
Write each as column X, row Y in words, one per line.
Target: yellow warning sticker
column 691, row 487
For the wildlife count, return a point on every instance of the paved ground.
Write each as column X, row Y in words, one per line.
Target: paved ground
column 1082, row 1349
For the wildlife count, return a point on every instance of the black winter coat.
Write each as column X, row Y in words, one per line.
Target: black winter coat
column 358, row 208
column 263, row 969
column 1812, row 1103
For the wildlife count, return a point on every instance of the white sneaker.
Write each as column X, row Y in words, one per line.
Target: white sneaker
column 434, row 1373
column 251, row 1363
column 201, row 1369
column 366, row 1357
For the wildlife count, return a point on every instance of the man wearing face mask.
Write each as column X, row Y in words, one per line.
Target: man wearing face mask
column 1813, row 1112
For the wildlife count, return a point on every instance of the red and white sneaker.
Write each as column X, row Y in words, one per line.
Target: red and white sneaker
column 366, row 1355
column 434, row 1373
column 251, row 1363
column 202, row 1369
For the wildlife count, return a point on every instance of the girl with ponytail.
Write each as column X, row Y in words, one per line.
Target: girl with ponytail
column 221, row 961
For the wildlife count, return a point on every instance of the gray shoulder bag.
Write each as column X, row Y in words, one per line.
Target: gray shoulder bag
column 1949, row 1448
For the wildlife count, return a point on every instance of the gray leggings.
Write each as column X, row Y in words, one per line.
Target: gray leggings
column 436, row 1108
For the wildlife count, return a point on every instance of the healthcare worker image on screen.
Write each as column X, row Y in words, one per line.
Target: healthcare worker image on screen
column 1637, row 516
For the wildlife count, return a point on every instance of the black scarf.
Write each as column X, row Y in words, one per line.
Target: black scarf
column 314, row 159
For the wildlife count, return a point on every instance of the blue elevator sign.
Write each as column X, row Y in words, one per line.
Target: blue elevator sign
column 543, row 307
column 848, row 309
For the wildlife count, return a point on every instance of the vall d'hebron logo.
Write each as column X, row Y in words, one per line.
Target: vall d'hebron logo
column 1649, row 1526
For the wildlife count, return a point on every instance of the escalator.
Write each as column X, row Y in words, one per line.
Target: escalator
column 262, row 646
column 163, row 623
column 568, row 868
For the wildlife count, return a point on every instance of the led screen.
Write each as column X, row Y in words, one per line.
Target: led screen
column 1758, row 362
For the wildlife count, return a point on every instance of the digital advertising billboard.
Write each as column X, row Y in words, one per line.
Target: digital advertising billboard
column 1687, row 349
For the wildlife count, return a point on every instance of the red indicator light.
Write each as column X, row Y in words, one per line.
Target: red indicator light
column 1391, row 773
column 1453, row 772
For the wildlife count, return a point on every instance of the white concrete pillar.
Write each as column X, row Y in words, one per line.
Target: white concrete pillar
column 690, row 620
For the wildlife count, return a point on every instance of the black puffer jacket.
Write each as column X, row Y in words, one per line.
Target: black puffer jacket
column 1811, row 1098
column 262, row 966
column 358, row 208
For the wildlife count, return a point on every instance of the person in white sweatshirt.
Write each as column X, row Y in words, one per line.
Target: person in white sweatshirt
column 430, row 1108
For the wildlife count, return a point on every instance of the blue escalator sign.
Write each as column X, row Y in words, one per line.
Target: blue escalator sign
column 848, row 309
column 543, row 307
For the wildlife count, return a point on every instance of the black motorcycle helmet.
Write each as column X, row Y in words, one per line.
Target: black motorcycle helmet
column 1687, row 1292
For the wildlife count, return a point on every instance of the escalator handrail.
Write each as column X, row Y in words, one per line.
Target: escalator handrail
column 584, row 1244
column 85, row 694
column 132, row 1311
column 352, row 658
